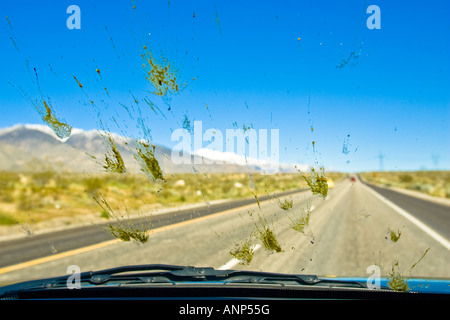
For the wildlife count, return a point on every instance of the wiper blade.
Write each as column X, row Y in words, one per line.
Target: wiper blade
column 179, row 274
column 89, row 277
column 175, row 274
column 103, row 276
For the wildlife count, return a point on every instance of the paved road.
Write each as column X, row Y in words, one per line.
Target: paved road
column 434, row 215
column 347, row 232
column 28, row 248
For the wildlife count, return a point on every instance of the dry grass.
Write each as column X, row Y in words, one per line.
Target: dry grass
column 40, row 196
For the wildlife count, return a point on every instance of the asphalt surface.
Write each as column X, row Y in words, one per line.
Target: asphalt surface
column 42, row 245
column 434, row 215
column 347, row 232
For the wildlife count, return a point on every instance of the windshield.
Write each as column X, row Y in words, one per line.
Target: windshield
column 299, row 137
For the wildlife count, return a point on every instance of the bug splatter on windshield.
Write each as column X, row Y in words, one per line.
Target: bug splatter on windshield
column 267, row 235
column 243, row 251
column 394, row 235
column 286, row 204
column 397, row 280
column 317, row 181
column 61, row 129
column 161, row 75
column 148, row 162
column 113, row 159
column 300, row 222
column 124, row 228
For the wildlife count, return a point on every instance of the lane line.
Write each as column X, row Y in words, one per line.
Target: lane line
column 58, row 256
column 115, row 241
column 436, row 236
column 230, row 264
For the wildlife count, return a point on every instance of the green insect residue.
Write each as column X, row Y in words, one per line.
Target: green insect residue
column 395, row 236
column 124, row 229
column 113, row 159
column 126, row 232
column 163, row 78
column 257, row 200
column 243, row 252
column 286, row 204
column 246, row 128
column 267, row 236
column 317, row 182
column 397, row 281
column 145, row 156
column 269, row 240
column 415, row 264
column 299, row 223
column 62, row 130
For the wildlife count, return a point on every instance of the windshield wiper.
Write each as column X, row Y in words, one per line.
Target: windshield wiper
column 182, row 274
column 175, row 274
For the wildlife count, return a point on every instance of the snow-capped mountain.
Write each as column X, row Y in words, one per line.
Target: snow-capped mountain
column 28, row 147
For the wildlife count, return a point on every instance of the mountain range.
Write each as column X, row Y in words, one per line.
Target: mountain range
column 33, row 147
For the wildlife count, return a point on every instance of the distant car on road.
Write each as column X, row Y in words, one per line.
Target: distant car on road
column 353, row 179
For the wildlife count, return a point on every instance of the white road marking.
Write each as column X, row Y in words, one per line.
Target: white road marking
column 412, row 219
column 230, row 264
column 115, row 241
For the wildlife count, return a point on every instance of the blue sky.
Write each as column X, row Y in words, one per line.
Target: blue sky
column 391, row 98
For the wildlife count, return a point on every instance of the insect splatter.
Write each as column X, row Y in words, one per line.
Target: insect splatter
column 146, row 158
column 79, row 84
column 286, row 204
column 267, row 235
column 345, row 146
column 14, row 44
column 317, row 182
column 300, row 222
column 9, row 22
column 243, row 251
column 395, row 236
column 397, row 281
column 61, row 129
column 186, row 124
column 217, row 20
column 123, row 228
column 353, row 57
column 113, row 159
column 161, row 75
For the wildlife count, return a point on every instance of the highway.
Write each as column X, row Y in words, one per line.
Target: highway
column 347, row 232
column 27, row 248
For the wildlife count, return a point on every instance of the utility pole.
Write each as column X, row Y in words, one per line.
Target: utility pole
column 381, row 157
column 435, row 158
